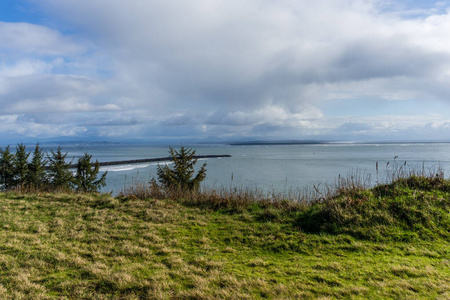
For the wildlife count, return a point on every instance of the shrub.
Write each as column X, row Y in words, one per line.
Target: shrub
column 21, row 170
column 86, row 176
column 16, row 172
column 181, row 176
column 6, row 168
column 61, row 177
column 36, row 175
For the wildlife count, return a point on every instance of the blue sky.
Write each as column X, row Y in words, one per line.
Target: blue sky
column 224, row 70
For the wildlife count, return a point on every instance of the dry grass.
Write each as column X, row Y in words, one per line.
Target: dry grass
column 60, row 246
column 223, row 197
column 242, row 198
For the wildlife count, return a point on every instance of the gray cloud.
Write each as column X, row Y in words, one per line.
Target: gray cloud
column 222, row 67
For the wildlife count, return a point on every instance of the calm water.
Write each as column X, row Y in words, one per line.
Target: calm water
column 277, row 168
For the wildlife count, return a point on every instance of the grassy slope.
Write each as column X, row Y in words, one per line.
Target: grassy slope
column 72, row 246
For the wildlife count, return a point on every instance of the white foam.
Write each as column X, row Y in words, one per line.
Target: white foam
column 121, row 168
column 129, row 167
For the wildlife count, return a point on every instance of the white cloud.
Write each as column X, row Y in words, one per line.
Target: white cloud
column 24, row 67
column 41, row 93
column 17, row 125
column 269, row 115
column 36, row 39
column 224, row 67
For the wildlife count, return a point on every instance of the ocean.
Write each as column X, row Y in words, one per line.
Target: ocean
column 270, row 168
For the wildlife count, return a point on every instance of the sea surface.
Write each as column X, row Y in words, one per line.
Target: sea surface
column 271, row 168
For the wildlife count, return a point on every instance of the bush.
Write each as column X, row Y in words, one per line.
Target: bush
column 411, row 207
column 21, row 170
column 16, row 172
column 86, row 176
column 37, row 175
column 181, row 175
column 6, row 169
column 61, row 177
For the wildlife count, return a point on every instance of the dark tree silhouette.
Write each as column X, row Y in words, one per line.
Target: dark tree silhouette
column 60, row 176
column 37, row 175
column 182, row 174
column 21, row 170
column 6, row 169
column 86, row 176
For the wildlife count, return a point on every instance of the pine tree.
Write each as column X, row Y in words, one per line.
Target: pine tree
column 21, row 170
column 36, row 175
column 86, row 176
column 181, row 175
column 6, row 169
column 60, row 176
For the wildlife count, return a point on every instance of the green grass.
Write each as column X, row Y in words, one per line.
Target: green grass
column 388, row 242
column 407, row 209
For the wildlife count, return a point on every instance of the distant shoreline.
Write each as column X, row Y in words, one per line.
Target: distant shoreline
column 280, row 143
column 275, row 143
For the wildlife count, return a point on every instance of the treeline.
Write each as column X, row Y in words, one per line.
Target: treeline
column 47, row 171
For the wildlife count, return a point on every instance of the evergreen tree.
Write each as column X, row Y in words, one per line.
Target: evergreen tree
column 21, row 170
column 86, row 176
column 60, row 176
column 6, row 169
column 181, row 175
column 36, row 174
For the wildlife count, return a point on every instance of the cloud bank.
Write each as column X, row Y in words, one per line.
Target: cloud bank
column 334, row 69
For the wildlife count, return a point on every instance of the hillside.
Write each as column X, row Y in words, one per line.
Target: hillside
column 59, row 246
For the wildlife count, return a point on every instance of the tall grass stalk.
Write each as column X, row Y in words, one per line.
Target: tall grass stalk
column 354, row 183
column 221, row 197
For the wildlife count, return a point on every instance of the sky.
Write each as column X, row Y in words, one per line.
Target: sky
column 222, row 70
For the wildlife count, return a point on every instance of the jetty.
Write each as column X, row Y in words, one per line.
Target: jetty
column 148, row 160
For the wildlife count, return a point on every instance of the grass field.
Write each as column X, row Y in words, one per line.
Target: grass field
column 60, row 246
